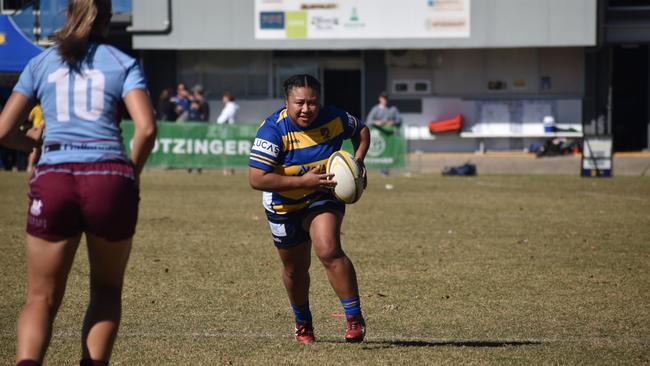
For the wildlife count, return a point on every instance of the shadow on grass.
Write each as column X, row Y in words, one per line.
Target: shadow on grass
column 377, row 344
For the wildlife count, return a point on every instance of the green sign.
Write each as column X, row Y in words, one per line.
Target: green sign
column 203, row 145
column 198, row 145
column 387, row 149
column 296, row 24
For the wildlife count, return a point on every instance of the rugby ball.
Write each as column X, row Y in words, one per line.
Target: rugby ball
column 347, row 174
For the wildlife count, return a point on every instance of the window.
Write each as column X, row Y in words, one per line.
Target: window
column 401, row 86
column 417, row 86
column 243, row 73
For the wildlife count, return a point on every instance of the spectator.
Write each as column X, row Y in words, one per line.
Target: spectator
column 203, row 107
column 383, row 116
column 229, row 111
column 194, row 114
column 166, row 107
column 182, row 100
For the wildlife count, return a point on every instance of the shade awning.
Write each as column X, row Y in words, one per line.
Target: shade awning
column 15, row 48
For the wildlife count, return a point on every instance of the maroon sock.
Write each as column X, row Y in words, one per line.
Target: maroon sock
column 89, row 362
column 28, row 363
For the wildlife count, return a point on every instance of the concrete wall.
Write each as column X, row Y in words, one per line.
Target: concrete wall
column 466, row 73
column 228, row 24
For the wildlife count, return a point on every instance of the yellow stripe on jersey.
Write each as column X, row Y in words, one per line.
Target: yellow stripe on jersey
column 264, row 158
column 262, row 161
column 296, row 194
column 299, row 169
column 313, row 137
column 282, row 115
column 284, row 209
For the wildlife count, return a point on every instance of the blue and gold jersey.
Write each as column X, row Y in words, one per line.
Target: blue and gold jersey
column 283, row 147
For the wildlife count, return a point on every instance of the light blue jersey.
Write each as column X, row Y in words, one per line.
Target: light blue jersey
column 81, row 106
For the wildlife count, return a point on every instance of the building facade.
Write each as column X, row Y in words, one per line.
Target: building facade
column 489, row 60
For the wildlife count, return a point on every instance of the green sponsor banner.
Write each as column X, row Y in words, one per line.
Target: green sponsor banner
column 198, row 145
column 387, row 149
column 203, row 145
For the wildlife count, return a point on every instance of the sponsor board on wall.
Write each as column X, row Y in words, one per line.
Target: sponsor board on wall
column 361, row 19
column 203, row 145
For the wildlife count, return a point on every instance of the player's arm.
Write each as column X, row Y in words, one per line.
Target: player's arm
column 139, row 107
column 274, row 182
column 361, row 143
column 14, row 112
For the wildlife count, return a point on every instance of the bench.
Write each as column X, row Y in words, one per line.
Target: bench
column 536, row 132
column 418, row 133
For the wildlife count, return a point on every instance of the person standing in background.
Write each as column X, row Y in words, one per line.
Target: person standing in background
column 182, row 101
column 229, row 111
column 203, row 108
column 166, row 110
column 384, row 116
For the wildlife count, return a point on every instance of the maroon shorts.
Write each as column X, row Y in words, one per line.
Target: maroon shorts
column 68, row 199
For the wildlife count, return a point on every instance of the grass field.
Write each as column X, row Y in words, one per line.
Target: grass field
column 485, row 270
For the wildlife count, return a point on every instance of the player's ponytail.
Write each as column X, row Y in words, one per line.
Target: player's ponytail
column 84, row 18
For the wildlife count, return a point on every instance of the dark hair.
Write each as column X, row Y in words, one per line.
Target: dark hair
column 165, row 94
column 301, row 81
column 229, row 96
column 84, row 17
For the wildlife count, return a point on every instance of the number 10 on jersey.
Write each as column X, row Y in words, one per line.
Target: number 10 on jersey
column 87, row 83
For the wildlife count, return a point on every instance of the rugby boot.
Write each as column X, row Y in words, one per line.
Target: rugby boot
column 305, row 333
column 355, row 329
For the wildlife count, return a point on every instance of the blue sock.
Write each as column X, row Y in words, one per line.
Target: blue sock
column 301, row 312
column 351, row 306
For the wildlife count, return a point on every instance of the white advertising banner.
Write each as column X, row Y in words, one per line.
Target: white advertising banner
column 361, row 19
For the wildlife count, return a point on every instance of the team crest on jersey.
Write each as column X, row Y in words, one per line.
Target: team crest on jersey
column 325, row 132
column 37, row 207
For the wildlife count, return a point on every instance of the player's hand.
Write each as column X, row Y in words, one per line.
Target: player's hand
column 36, row 134
column 316, row 180
column 364, row 172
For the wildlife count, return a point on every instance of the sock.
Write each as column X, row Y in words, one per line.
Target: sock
column 28, row 363
column 302, row 313
column 351, row 306
column 89, row 362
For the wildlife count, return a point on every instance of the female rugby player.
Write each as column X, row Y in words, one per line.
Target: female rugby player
column 84, row 182
column 286, row 161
